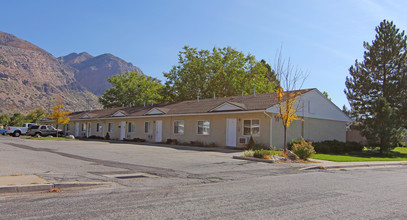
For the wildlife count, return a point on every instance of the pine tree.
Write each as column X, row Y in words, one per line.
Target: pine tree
column 377, row 87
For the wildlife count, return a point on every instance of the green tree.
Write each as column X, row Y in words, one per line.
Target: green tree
column 131, row 89
column 35, row 116
column 380, row 130
column 271, row 74
column 377, row 87
column 17, row 119
column 4, row 119
column 221, row 72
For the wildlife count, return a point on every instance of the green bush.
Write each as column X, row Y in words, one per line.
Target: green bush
column 107, row 136
column 401, row 144
column 262, row 152
column 336, row 147
column 303, row 150
column 294, row 141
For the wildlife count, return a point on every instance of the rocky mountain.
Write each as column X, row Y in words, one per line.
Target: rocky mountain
column 93, row 71
column 30, row 78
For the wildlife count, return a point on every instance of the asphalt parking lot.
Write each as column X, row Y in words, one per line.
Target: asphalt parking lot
column 78, row 160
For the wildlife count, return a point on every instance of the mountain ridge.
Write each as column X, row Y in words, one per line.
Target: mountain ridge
column 92, row 71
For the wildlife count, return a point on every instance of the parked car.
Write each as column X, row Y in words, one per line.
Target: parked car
column 3, row 131
column 17, row 131
column 44, row 130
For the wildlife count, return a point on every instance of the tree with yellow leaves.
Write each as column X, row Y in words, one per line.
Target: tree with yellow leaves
column 287, row 110
column 291, row 80
column 59, row 116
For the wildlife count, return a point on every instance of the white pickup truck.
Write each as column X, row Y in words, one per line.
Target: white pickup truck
column 17, row 131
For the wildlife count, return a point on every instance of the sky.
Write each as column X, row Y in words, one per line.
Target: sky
column 321, row 37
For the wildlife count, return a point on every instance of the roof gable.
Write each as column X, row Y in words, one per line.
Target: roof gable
column 228, row 106
column 118, row 114
column 313, row 104
column 155, row 111
column 85, row 116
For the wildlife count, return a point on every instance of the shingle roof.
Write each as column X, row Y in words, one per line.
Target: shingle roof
column 246, row 103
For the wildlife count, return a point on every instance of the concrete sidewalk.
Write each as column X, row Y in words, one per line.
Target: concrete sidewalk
column 29, row 183
column 324, row 164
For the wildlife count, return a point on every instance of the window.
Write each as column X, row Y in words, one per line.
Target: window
column 43, row 127
column 203, row 127
column 67, row 128
column 179, row 127
column 98, row 127
column 110, row 127
column 147, row 127
column 131, row 127
column 83, row 126
column 251, row 127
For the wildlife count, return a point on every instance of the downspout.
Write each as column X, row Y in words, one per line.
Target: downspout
column 271, row 128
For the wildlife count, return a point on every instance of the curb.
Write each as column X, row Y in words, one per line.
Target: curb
column 26, row 188
column 350, row 166
column 78, row 184
column 253, row 159
column 45, row 187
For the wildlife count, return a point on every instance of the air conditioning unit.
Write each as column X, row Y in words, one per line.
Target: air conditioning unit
column 243, row 140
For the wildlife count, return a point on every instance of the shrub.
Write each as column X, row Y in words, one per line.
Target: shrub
column 172, row 141
column 303, row 150
column 248, row 153
column 262, row 152
column 294, row 141
column 355, row 146
column 107, row 136
column 337, row 147
column 401, row 144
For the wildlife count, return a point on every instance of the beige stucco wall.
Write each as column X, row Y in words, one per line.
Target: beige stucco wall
column 311, row 129
column 217, row 133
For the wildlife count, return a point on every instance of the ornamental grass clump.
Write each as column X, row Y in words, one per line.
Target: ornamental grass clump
column 248, row 153
column 303, row 149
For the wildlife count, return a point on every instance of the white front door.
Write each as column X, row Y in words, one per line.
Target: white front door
column 122, row 130
column 158, row 131
column 88, row 131
column 76, row 129
column 231, row 125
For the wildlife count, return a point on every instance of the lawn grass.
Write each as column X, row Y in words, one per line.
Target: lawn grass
column 46, row 138
column 397, row 154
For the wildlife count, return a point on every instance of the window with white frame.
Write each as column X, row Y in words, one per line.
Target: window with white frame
column 203, row 127
column 110, row 127
column 98, row 127
column 179, row 127
column 251, row 127
column 132, row 127
column 83, row 126
column 67, row 128
column 147, row 127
